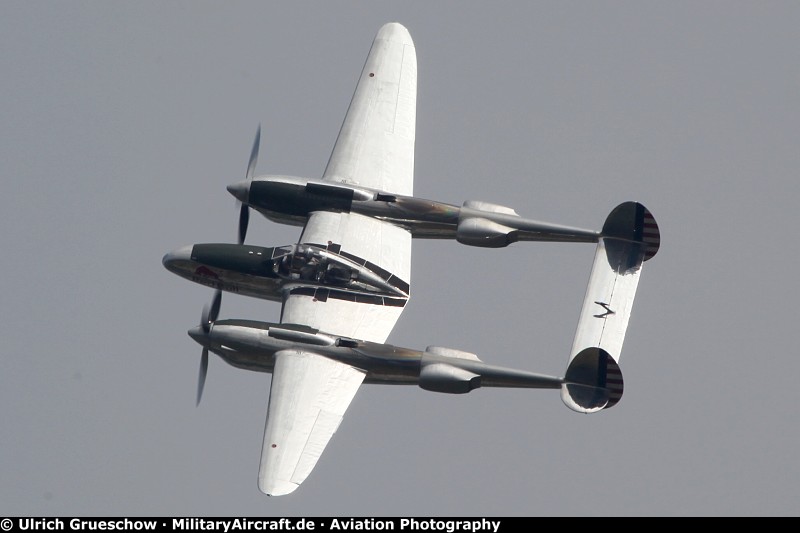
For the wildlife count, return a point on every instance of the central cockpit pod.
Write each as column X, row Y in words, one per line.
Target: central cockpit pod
column 330, row 266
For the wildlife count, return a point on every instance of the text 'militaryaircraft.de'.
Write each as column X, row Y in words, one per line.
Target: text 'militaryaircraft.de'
column 344, row 284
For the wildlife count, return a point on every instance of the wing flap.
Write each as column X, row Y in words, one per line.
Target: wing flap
column 308, row 398
column 370, row 321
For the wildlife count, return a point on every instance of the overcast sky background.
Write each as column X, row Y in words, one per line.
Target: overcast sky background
column 121, row 123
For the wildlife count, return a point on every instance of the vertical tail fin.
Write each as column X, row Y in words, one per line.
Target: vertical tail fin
column 593, row 380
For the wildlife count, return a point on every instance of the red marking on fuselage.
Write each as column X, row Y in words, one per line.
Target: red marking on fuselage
column 206, row 272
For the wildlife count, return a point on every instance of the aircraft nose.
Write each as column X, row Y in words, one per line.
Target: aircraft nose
column 181, row 254
column 240, row 190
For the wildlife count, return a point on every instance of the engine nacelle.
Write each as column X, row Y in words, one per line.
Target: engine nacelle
column 482, row 232
column 291, row 199
column 441, row 377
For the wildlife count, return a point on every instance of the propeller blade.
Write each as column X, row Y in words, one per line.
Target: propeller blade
column 211, row 312
column 244, row 211
column 254, row 154
column 204, row 322
column 201, row 379
column 244, row 220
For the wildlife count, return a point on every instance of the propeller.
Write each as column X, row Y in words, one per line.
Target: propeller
column 201, row 379
column 211, row 312
column 244, row 210
column 209, row 316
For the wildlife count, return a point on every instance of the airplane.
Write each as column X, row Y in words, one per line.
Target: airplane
column 346, row 281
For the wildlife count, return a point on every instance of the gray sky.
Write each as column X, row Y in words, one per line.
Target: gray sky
column 121, row 123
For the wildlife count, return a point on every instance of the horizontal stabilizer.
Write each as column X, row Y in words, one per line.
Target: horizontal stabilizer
column 630, row 237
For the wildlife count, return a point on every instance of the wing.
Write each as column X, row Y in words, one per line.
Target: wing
column 307, row 401
column 375, row 147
